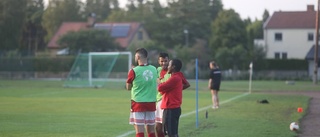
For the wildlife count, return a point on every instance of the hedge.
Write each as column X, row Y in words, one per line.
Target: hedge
column 64, row 63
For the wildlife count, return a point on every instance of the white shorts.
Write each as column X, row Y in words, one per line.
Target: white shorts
column 159, row 112
column 142, row 118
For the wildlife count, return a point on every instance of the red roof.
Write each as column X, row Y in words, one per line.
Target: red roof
column 64, row 29
column 292, row 19
column 76, row 26
column 124, row 42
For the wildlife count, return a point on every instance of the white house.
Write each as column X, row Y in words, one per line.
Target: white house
column 291, row 35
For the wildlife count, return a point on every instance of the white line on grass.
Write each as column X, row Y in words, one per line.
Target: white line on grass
column 192, row 112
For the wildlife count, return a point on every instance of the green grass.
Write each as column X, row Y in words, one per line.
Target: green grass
column 46, row 109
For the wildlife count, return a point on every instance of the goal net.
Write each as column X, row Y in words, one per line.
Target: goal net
column 95, row 69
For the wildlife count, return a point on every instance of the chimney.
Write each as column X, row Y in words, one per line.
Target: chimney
column 310, row 7
column 91, row 20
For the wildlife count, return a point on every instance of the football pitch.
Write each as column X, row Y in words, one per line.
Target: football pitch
column 38, row 108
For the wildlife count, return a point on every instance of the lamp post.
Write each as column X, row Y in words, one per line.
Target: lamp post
column 186, row 32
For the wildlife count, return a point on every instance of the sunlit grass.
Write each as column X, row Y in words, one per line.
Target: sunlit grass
column 46, row 109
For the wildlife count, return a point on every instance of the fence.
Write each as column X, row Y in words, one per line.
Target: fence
column 226, row 75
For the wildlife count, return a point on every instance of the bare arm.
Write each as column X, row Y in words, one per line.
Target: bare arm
column 209, row 83
column 128, row 86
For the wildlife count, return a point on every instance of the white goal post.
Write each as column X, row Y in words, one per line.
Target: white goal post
column 106, row 53
column 94, row 69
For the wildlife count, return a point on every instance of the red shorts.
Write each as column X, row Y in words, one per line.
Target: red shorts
column 142, row 106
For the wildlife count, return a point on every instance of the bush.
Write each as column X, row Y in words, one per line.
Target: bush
column 277, row 64
column 40, row 64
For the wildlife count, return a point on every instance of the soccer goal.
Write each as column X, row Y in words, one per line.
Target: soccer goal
column 95, row 69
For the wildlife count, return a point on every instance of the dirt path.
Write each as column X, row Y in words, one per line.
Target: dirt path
column 310, row 124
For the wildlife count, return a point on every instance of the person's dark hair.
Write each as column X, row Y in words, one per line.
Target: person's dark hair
column 163, row 55
column 143, row 52
column 177, row 64
column 214, row 64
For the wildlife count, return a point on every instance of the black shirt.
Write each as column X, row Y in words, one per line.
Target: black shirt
column 215, row 75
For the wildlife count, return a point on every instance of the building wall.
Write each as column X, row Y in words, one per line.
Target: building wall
column 136, row 40
column 294, row 42
column 311, row 69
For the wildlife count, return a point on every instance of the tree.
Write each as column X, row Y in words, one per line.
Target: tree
column 228, row 30
column 233, row 58
column 216, row 6
column 102, row 8
column 115, row 4
column 60, row 11
column 33, row 32
column 255, row 31
column 228, row 42
column 117, row 16
column 11, row 23
column 265, row 15
column 194, row 16
column 88, row 41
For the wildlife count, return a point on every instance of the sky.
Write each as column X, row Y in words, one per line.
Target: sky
column 254, row 8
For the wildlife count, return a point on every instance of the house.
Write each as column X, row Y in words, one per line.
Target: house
column 311, row 61
column 125, row 33
column 290, row 34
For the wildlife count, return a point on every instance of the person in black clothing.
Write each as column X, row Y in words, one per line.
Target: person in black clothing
column 214, row 83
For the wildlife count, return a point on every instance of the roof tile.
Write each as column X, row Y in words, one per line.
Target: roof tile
column 293, row 19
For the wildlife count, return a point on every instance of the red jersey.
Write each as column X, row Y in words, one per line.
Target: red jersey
column 162, row 73
column 171, row 91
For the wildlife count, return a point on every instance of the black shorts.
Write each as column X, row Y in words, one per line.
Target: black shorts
column 170, row 121
column 215, row 86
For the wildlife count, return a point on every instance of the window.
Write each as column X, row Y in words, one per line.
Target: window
column 310, row 36
column 277, row 55
column 278, row 36
column 284, row 55
column 140, row 35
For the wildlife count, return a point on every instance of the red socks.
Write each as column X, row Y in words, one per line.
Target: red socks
column 151, row 135
column 139, row 134
column 161, row 134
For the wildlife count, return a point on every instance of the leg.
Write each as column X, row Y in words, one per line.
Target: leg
column 172, row 121
column 150, row 123
column 159, row 113
column 136, row 119
column 213, row 97
column 159, row 130
column 150, row 130
column 217, row 98
column 139, row 128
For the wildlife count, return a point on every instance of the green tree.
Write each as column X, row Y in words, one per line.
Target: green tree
column 228, row 30
column 33, row 32
column 216, row 6
column 117, row 16
column 60, row 11
column 265, row 15
column 256, row 53
column 232, row 58
column 88, row 41
column 115, row 4
column 194, row 16
column 12, row 18
column 228, row 42
column 102, row 8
